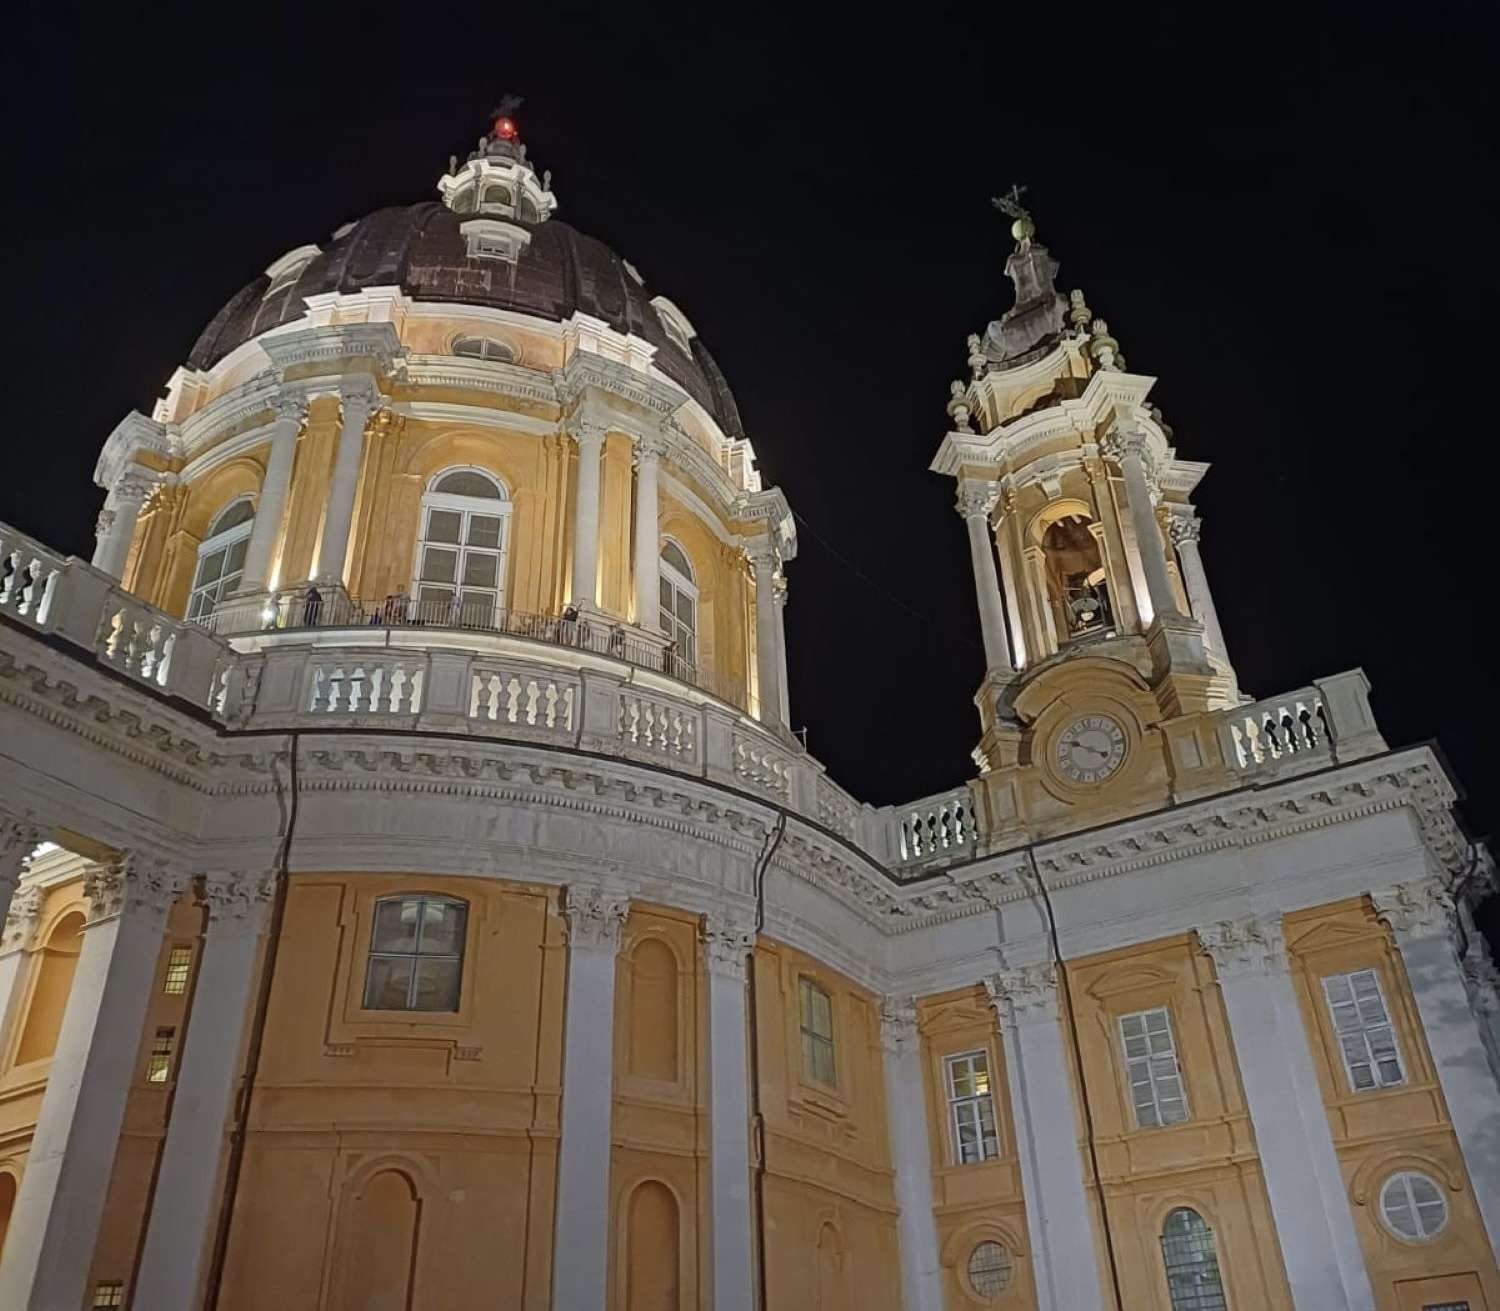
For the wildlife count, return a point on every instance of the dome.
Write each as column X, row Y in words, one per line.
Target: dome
column 421, row 249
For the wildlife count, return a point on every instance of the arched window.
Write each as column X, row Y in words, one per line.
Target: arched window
column 679, row 602
column 49, row 996
column 497, row 196
column 653, row 1011
column 416, row 954
column 1076, row 583
column 460, row 556
column 1187, row 1249
column 653, row 1249
column 463, row 201
column 221, row 558
column 484, row 348
column 7, row 1205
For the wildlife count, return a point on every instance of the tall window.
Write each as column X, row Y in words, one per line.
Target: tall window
column 416, row 954
column 679, row 602
column 460, row 575
column 1187, row 1248
column 221, row 558
column 817, row 1033
column 179, row 970
column 159, row 1062
column 1151, row 1066
column 971, row 1108
column 1363, row 1026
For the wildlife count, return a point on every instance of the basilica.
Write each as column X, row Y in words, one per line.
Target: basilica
column 417, row 900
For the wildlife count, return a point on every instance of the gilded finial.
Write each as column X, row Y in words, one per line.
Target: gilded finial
column 1023, row 228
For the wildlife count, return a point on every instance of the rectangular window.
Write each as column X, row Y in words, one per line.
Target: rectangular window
column 179, row 966
column 1363, row 1027
column 159, row 1063
column 817, row 1033
column 1151, row 1066
column 971, row 1108
column 108, row 1292
column 416, row 954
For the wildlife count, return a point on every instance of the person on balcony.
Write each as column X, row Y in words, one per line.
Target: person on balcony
column 312, row 607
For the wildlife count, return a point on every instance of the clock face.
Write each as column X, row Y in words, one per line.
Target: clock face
column 1090, row 749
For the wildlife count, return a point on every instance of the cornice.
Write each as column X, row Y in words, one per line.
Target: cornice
column 299, row 345
column 489, row 376
column 586, row 370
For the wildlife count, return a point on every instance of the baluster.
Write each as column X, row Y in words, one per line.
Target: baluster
column 164, row 660
column 414, row 690
column 549, row 717
column 568, row 708
column 513, row 700
column 533, row 700
column 400, row 690
column 1323, row 723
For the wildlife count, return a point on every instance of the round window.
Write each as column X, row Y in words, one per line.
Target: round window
column 1413, row 1207
column 990, row 1269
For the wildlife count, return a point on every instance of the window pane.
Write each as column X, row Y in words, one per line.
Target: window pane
column 480, row 570
column 442, row 928
column 484, row 530
column 395, row 925
column 433, row 600
column 387, row 982
column 235, row 557
column 444, row 525
column 211, row 567
column 437, row 984
column 439, row 566
column 685, row 609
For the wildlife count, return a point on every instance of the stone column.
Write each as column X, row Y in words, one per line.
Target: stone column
column 1309, row 1199
column 763, row 562
column 1122, row 584
column 1064, row 1262
column 359, row 398
column 1041, row 600
column 18, row 839
column 1128, row 450
column 580, row 1272
column 291, row 413
column 975, row 501
column 1186, row 530
column 16, row 933
column 1008, row 568
column 57, row 1212
column 648, row 453
column 727, row 946
column 782, row 683
column 911, row 1155
column 115, row 528
column 590, row 438
column 183, row 1200
column 1421, row 915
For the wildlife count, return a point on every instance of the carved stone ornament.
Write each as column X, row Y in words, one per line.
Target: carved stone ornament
column 236, row 896
column 130, row 883
column 290, row 407
column 898, row 1025
column 1422, row 908
column 587, row 431
column 595, row 917
column 21, row 921
column 135, row 485
column 1250, row 945
column 18, row 839
column 728, row 941
column 105, row 522
column 976, row 498
column 649, row 446
column 1025, row 995
column 1184, row 529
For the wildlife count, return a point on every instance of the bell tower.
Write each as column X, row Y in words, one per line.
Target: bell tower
column 1092, row 597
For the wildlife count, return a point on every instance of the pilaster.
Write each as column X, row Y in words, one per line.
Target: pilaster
column 911, row 1154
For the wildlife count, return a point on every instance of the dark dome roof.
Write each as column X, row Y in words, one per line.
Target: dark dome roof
column 420, row 249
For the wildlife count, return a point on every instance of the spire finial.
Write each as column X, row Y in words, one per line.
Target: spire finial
column 503, row 117
column 1023, row 229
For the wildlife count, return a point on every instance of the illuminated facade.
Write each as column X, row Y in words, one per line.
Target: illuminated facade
column 417, row 899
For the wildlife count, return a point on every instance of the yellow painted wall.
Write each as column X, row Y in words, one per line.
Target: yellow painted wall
column 831, row 1238
column 979, row 1201
column 416, row 1153
column 660, row 1210
column 1381, row 1131
column 1210, row 1162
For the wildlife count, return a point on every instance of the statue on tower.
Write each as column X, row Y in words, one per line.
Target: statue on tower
column 1037, row 316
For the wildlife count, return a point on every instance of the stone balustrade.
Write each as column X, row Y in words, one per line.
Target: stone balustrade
column 1311, row 728
column 936, row 828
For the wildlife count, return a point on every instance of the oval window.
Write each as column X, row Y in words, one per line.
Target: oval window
column 1413, row 1206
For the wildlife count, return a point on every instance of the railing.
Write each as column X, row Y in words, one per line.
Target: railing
column 28, row 573
column 1279, row 731
column 938, row 826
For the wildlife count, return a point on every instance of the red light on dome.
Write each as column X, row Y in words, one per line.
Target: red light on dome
column 505, row 129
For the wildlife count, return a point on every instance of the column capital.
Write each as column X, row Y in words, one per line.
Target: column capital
column 21, row 920
column 650, row 445
column 235, row 897
column 975, row 499
column 1422, row 908
column 1025, row 995
column 728, row 940
column 359, row 393
column 1252, row 944
column 19, row 837
column 899, row 1034
column 761, row 552
column 586, row 430
column 595, row 917
column 290, row 407
column 131, row 882
column 1184, row 527
column 134, row 485
column 1121, row 445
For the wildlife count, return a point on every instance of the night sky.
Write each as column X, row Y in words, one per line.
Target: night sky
column 1287, row 223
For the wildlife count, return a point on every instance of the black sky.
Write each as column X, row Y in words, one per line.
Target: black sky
column 1286, row 218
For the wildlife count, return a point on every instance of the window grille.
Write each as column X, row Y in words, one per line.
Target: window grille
column 1192, row 1265
column 971, row 1108
column 107, row 1293
column 1151, row 1065
column 416, row 954
column 462, row 551
column 221, row 559
column 817, row 1033
column 1413, row 1207
column 179, row 968
column 990, row 1269
column 159, row 1062
column 679, row 603
column 1363, row 1027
